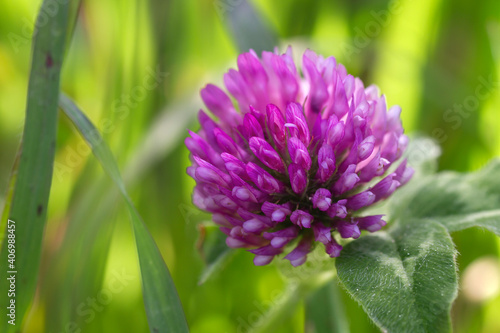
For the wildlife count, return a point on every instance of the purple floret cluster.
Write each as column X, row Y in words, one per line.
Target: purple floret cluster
column 299, row 157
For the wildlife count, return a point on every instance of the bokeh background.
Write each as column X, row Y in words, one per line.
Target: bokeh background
column 136, row 68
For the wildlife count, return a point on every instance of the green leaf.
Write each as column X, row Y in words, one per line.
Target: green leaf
column 163, row 307
column 32, row 188
column 456, row 200
column 489, row 219
column 405, row 280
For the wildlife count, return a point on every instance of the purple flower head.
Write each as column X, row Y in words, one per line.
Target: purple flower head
column 292, row 160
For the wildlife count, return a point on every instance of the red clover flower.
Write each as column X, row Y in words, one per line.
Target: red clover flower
column 299, row 159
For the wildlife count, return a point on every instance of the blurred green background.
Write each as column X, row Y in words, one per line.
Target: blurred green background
column 136, row 67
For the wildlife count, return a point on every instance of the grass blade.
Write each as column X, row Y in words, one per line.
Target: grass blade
column 163, row 307
column 32, row 188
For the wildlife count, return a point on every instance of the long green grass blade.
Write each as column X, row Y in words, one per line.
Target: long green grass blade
column 91, row 220
column 456, row 200
column 163, row 307
column 32, row 188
